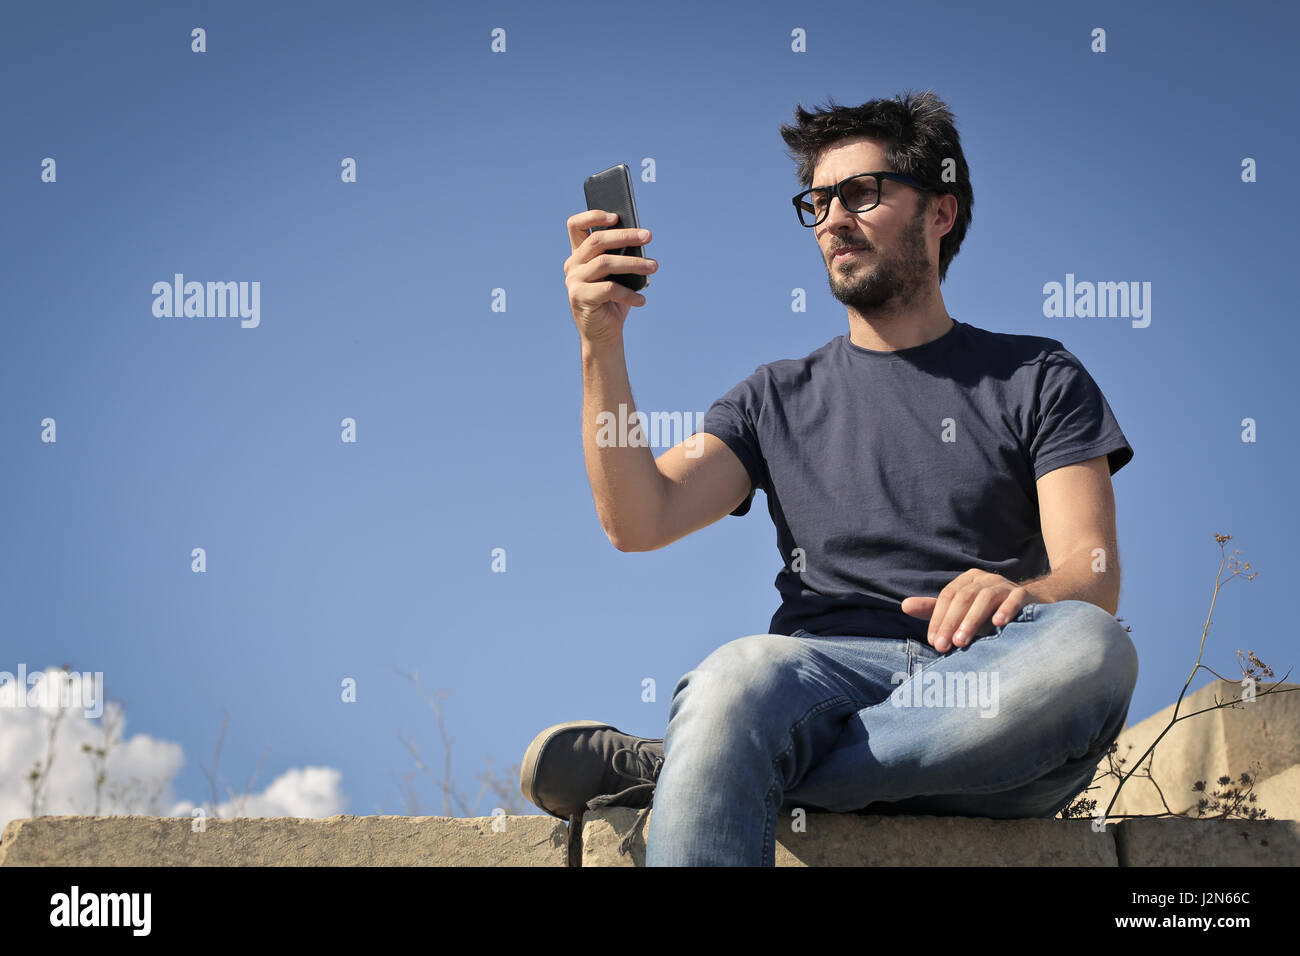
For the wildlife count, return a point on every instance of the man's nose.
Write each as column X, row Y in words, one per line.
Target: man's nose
column 839, row 213
column 837, row 210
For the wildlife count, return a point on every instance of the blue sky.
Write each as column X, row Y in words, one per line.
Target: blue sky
column 329, row 560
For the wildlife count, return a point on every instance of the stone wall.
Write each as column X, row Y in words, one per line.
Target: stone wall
column 826, row 839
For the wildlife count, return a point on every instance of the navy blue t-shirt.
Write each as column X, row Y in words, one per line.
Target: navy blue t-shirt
column 895, row 472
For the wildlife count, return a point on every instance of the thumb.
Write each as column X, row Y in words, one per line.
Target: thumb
column 921, row 607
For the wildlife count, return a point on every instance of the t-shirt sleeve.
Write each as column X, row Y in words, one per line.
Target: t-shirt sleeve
column 1073, row 421
column 733, row 419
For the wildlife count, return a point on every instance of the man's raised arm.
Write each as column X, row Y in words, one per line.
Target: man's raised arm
column 642, row 504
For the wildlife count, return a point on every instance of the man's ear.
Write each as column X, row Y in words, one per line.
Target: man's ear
column 941, row 203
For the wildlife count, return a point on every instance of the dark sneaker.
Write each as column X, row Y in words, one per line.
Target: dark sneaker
column 585, row 765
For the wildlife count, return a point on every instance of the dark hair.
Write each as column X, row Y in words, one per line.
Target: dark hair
column 917, row 133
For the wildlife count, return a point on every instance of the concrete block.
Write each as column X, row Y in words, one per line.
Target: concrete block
column 286, row 841
column 1177, row 842
column 838, row 839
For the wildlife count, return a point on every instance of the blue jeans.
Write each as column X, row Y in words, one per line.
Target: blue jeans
column 1011, row 726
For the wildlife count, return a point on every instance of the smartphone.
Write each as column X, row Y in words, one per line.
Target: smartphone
column 611, row 190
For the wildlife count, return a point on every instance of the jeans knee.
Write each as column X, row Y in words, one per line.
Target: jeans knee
column 1100, row 650
column 742, row 672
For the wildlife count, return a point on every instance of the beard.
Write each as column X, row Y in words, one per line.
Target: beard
column 894, row 282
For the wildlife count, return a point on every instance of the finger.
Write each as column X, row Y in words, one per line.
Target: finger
column 975, row 623
column 616, row 245
column 586, row 246
column 608, row 264
column 943, row 603
column 946, row 628
column 580, row 224
column 1010, row 609
column 945, row 606
column 602, row 250
column 921, row 607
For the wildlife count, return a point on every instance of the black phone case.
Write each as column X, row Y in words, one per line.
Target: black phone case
column 611, row 190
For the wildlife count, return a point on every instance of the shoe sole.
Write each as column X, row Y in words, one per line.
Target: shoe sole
column 537, row 749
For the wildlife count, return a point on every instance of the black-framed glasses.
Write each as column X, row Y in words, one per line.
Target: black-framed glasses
column 857, row 194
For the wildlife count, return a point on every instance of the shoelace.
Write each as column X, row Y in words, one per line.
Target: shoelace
column 644, row 786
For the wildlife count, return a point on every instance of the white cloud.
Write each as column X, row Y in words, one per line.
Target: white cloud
column 140, row 769
column 300, row 792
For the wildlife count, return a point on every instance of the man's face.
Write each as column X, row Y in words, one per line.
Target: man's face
column 891, row 267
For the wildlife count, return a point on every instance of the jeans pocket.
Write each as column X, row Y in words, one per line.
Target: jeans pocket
column 919, row 654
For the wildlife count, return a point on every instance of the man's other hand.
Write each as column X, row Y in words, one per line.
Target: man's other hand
column 972, row 605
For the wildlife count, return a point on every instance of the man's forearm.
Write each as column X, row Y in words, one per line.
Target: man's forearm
column 1082, row 577
column 626, row 484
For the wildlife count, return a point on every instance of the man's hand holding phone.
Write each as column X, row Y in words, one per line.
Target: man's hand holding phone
column 599, row 304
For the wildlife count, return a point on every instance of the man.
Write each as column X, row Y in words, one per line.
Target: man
column 942, row 501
